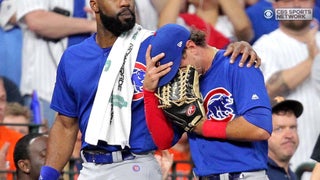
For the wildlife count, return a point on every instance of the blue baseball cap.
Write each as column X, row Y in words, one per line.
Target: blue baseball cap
column 169, row 39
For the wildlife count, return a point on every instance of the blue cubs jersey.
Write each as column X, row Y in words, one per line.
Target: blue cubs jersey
column 77, row 80
column 230, row 91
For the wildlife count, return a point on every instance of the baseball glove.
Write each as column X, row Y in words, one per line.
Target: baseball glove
column 181, row 100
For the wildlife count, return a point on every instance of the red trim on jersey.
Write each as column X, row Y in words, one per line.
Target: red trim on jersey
column 215, row 129
column 161, row 130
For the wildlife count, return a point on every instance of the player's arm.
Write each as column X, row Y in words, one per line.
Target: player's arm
column 239, row 129
column 160, row 129
column 249, row 55
column 253, row 121
column 62, row 138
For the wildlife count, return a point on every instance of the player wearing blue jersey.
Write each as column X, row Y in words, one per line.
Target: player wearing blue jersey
column 231, row 142
column 99, row 91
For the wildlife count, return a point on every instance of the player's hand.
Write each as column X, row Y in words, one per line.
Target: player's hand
column 154, row 72
column 249, row 56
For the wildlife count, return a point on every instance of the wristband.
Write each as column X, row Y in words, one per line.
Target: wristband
column 49, row 173
column 214, row 129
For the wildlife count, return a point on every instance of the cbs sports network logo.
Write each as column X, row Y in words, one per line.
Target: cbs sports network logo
column 289, row 14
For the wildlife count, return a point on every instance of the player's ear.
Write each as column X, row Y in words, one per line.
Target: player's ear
column 94, row 6
column 190, row 44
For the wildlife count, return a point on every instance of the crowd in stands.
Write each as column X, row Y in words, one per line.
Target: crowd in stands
column 34, row 34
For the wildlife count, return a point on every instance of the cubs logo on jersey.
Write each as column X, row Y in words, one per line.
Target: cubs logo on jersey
column 218, row 105
column 137, row 80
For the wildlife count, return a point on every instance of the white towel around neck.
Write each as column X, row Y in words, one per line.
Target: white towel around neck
column 100, row 125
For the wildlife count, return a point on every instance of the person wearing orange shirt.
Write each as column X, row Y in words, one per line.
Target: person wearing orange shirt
column 8, row 139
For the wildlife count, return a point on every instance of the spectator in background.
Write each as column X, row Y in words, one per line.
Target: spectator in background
column 12, row 91
column 147, row 15
column 222, row 21
column 50, row 26
column 11, row 42
column 262, row 17
column 182, row 163
column 17, row 114
column 315, row 76
column 29, row 155
column 165, row 160
column 288, row 54
column 284, row 139
column 8, row 137
column 316, row 171
column 315, row 73
column 4, row 166
column 248, row 3
column 182, row 167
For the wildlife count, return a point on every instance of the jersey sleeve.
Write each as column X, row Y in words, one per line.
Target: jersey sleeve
column 162, row 131
column 63, row 99
column 251, row 97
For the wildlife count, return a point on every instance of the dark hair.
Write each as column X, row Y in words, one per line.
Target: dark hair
column 12, row 90
column 283, row 111
column 21, row 150
column 198, row 37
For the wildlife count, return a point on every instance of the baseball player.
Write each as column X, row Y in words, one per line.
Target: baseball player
column 231, row 141
column 98, row 90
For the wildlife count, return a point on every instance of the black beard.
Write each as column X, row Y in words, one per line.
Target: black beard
column 297, row 25
column 115, row 25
